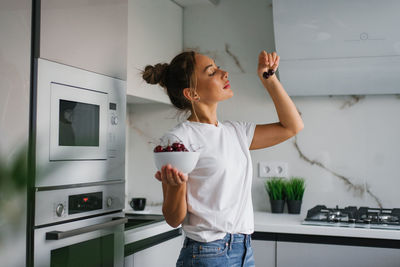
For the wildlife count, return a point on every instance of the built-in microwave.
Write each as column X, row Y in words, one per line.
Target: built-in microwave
column 78, row 123
column 80, row 132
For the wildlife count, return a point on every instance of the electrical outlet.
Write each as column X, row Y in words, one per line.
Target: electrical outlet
column 272, row 168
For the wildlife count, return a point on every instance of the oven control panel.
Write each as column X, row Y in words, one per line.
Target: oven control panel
column 56, row 205
column 85, row 202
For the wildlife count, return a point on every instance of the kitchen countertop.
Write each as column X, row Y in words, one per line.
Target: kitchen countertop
column 146, row 231
column 291, row 224
column 272, row 223
column 149, row 230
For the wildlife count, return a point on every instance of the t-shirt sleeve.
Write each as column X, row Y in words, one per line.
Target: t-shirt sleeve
column 247, row 128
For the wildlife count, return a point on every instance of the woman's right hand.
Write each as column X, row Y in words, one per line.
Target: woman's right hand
column 171, row 176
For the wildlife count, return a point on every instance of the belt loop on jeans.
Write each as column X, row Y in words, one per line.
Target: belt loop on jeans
column 230, row 241
column 248, row 240
column 185, row 242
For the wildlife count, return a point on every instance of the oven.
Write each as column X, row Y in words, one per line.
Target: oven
column 80, row 226
column 80, row 136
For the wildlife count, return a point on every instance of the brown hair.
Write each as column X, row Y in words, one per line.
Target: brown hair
column 174, row 77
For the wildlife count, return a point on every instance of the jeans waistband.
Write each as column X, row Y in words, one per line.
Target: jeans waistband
column 228, row 238
column 237, row 238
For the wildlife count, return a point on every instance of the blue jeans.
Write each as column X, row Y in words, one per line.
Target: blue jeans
column 234, row 250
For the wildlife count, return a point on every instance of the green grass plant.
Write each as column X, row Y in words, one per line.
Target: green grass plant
column 275, row 188
column 294, row 188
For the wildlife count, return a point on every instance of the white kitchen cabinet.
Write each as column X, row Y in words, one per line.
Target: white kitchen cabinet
column 164, row 254
column 155, row 34
column 264, row 252
column 91, row 35
column 298, row 254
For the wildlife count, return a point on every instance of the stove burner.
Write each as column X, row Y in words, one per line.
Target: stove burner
column 352, row 216
column 336, row 216
column 367, row 220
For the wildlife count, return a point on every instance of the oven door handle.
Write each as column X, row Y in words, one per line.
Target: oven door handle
column 57, row 235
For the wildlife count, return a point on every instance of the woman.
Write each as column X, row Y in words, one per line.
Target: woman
column 214, row 203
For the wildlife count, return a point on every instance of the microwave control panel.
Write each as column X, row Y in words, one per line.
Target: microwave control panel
column 112, row 128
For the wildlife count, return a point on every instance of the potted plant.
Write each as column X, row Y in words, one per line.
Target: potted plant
column 13, row 182
column 294, row 190
column 275, row 188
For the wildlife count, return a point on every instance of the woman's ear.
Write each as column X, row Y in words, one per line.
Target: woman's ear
column 187, row 94
column 191, row 95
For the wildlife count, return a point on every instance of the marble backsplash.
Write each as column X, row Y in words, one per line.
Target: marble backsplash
column 348, row 152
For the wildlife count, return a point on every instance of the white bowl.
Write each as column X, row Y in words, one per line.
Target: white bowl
column 183, row 161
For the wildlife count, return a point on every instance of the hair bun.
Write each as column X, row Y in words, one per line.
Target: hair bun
column 156, row 74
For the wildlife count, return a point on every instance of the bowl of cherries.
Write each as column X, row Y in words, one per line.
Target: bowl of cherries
column 177, row 155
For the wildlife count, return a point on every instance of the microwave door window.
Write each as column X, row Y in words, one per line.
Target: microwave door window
column 78, row 124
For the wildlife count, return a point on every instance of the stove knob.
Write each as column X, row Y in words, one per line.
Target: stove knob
column 109, row 202
column 60, row 210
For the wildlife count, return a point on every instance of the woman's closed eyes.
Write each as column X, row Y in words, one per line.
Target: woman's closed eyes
column 212, row 74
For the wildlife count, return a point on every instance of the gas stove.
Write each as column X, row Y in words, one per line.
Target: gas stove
column 351, row 216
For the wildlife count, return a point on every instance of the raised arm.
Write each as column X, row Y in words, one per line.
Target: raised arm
column 290, row 122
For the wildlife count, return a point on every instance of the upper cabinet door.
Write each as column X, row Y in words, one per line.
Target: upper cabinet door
column 335, row 48
column 155, row 35
column 87, row 34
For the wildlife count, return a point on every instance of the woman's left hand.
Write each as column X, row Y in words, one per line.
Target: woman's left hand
column 267, row 61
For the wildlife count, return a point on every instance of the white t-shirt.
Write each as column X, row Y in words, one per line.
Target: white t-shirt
column 219, row 188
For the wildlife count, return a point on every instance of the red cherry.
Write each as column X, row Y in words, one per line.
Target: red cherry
column 169, row 149
column 185, row 149
column 158, row 149
column 179, row 149
column 176, row 145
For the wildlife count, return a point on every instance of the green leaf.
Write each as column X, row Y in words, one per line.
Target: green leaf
column 275, row 188
column 294, row 188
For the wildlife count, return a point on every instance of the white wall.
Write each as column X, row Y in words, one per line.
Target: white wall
column 349, row 146
column 15, row 23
